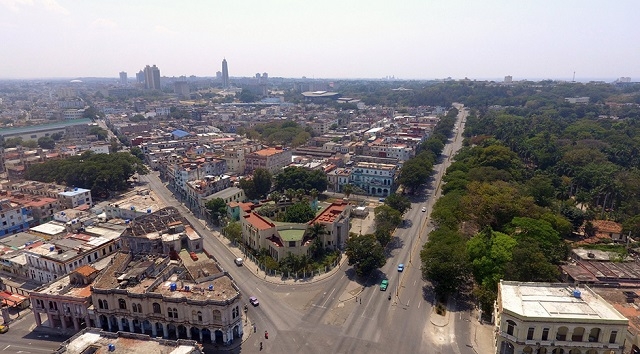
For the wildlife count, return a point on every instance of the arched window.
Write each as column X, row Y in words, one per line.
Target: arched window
column 139, row 308
column 594, row 334
column 173, row 312
column 134, row 308
column 578, row 334
column 558, row 351
column 156, row 308
column 170, row 312
column 511, row 327
column 100, row 305
column 506, row 348
column 217, row 315
column 122, row 304
column 199, row 316
column 106, row 304
column 562, row 333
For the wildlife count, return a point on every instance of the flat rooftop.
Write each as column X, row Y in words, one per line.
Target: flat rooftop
column 556, row 302
column 93, row 340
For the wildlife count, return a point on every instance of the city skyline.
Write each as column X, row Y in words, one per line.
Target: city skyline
column 360, row 39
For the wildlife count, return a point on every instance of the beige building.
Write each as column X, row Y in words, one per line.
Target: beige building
column 187, row 298
column 546, row 318
column 271, row 159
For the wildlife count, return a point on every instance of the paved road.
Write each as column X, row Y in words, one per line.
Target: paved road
column 337, row 315
column 21, row 339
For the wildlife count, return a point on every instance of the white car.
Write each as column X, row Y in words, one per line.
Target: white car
column 424, row 209
column 238, row 261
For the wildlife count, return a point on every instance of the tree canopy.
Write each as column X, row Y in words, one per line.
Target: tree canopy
column 365, row 254
column 301, row 178
column 99, row 172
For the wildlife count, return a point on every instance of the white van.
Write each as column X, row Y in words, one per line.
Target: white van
column 238, row 261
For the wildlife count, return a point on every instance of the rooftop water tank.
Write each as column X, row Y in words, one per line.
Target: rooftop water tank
column 149, row 211
column 133, row 208
column 173, row 287
column 52, row 248
column 186, row 288
column 75, row 189
column 576, row 293
column 112, row 347
column 126, row 221
column 211, row 287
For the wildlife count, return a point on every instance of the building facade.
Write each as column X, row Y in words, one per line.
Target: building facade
column 376, row 179
column 545, row 318
column 271, row 159
column 75, row 198
column 183, row 298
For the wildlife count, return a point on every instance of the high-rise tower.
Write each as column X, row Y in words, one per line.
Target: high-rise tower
column 123, row 78
column 225, row 74
column 152, row 77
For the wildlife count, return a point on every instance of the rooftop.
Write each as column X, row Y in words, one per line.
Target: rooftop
column 556, row 301
column 268, row 152
column 330, row 214
column 93, row 340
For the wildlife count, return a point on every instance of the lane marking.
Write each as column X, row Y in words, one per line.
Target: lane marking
column 328, row 297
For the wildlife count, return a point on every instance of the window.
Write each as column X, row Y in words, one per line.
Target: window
column 511, row 326
column 530, row 333
column 235, row 312
column 612, row 337
column 292, row 243
column 173, row 312
column 106, row 304
column 122, row 304
column 217, row 316
column 545, row 334
column 156, row 308
column 199, row 316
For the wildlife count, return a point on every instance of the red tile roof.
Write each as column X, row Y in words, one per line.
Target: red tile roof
column 330, row 214
column 258, row 221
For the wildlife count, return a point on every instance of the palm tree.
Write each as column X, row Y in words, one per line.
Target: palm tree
column 300, row 193
column 275, row 196
column 316, row 248
column 314, row 194
column 290, row 194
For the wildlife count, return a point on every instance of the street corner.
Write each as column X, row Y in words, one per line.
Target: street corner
column 352, row 291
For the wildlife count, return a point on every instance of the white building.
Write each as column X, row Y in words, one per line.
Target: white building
column 545, row 318
column 74, row 198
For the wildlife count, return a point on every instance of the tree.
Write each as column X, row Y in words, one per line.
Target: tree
column 46, row 142
column 300, row 212
column 398, row 202
column 444, row 261
column 262, row 181
column 316, row 250
column 413, row 174
column 387, row 217
column 57, row 136
column 12, row 142
column 137, row 152
column 114, row 146
column 233, row 230
column 365, row 254
column 99, row 132
column 347, row 190
column 30, row 144
column 247, row 185
column 301, row 178
column 217, row 208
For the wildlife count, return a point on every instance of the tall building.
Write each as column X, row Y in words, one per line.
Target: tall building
column 152, row 77
column 225, row 74
column 123, row 78
column 140, row 77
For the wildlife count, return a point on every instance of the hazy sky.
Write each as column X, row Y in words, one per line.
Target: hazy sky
column 408, row 39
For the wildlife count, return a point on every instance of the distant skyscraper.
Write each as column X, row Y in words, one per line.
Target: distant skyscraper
column 225, row 74
column 508, row 79
column 140, row 77
column 219, row 75
column 123, row 78
column 152, row 77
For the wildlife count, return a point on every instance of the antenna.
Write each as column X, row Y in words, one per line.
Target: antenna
column 574, row 77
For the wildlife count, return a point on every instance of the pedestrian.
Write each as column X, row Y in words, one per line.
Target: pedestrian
column 356, row 299
column 360, row 301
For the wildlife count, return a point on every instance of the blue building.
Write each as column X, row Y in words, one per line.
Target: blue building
column 14, row 218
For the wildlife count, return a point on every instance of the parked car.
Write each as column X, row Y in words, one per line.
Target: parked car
column 424, row 209
column 400, row 267
column 254, row 301
column 4, row 328
column 384, row 284
column 238, row 261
